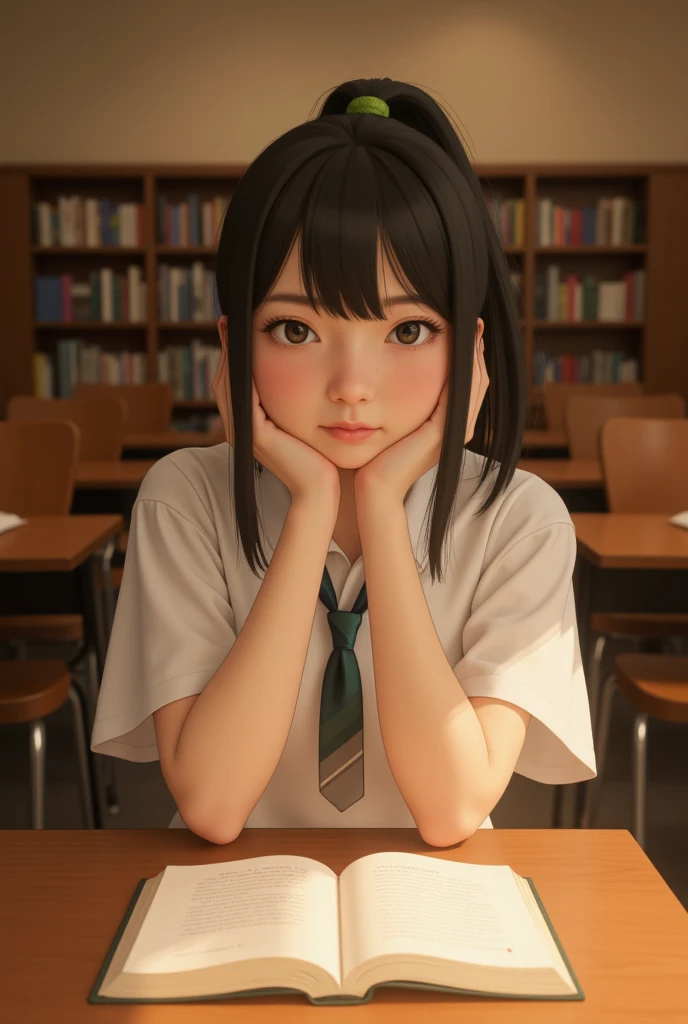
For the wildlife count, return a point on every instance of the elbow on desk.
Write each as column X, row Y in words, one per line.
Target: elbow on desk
column 207, row 828
column 442, row 838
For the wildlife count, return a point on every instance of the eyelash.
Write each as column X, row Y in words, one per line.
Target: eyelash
column 268, row 327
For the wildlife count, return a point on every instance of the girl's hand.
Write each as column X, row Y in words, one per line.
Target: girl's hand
column 302, row 469
column 395, row 469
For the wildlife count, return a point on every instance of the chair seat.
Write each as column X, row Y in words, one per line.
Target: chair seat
column 656, row 684
column 648, row 624
column 122, row 541
column 31, row 689
column 41, row 627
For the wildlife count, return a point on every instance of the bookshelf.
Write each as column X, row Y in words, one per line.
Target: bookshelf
column 598, row 254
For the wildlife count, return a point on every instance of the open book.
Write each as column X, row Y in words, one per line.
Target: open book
column 286, row 924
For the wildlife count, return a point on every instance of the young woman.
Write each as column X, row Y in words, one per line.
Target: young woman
column 285, row 642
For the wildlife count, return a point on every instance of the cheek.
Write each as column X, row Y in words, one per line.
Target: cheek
column 415, row 387
column 283, row 389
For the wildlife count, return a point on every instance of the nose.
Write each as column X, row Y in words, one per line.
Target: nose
column 353, row 373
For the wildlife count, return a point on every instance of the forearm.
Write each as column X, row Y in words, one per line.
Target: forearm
column 433, row 739
column 234, row 735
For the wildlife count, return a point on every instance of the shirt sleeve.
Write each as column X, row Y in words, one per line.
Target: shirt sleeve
column 521, row 645
column 173, row 627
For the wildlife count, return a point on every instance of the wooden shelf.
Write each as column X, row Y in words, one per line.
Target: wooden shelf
column 659, row 340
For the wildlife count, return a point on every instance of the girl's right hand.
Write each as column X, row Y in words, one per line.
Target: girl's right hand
column 302, row 469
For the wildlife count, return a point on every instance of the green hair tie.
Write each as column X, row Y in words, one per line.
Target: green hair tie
column 368, row 105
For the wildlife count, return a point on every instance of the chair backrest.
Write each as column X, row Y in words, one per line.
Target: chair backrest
column 149, row 406
column 585, row 414
column 101, row 421
column 557, row 393
column 38, row 463
column 645, row 464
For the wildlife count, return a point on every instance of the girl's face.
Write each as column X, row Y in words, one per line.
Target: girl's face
column 314, row 370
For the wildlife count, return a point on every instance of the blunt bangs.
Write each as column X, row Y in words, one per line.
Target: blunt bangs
column 340, row 212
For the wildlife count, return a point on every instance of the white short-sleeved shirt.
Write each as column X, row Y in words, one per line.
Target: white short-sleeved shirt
column 504, row 615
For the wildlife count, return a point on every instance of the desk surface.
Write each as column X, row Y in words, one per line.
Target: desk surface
column 55, row 543
column 115, row 474
column 578, row 473
column 169, row 439
column 66, row 891
column 631, row 541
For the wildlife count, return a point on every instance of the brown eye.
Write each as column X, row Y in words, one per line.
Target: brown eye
column 409, row 331
column 295, row 331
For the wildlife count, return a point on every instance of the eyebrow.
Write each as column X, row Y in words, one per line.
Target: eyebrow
column 395, row 300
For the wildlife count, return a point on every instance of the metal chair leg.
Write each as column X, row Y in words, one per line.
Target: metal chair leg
column 37, row 767
column 78, row 714
column 107, row 594
column 594, row 677
column 111, row 796
column 639, row 777
column 592, row 795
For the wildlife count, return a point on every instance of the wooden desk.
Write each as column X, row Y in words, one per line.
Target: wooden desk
column 118, row 474
column 157, row 444
column 545, row 439
column 58, row 547
column 633, row 543
column 66, row 891
column 564, row 473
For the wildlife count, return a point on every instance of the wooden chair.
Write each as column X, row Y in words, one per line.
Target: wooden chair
column 557, row 393
column 100, row 421
column 38, row 463
column 29, row 692
column 585, row 414
column 149, row 406
column 657, row 687
column 645, row 468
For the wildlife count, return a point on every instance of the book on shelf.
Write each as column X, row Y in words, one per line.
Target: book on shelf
column 106, row 297
column 190, row 222
column 190, row 369
column 611, row 220
column 187, row 294
column 572, row 301
column 597, row 367
column 87, row 222
column 290, row 925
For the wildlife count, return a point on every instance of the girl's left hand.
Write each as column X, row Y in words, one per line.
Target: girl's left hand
column 395, row 469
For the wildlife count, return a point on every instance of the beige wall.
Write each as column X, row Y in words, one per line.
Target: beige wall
column 211, row 81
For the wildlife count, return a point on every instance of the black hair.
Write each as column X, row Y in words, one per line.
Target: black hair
column 341, row 182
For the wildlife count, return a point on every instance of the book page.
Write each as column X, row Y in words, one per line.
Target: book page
column 406, row 903
column 203, row 915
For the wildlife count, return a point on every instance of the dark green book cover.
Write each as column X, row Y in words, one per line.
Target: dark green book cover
column 330, row 1000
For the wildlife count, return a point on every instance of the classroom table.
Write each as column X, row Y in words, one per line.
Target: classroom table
column 47, row 566
column 580, row 482
column 545, row 443
column 626, row 562
column 109, row 486
column 155, row 445
column 66, row 891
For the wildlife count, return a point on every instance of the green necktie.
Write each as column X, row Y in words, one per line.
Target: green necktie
column 341, row 704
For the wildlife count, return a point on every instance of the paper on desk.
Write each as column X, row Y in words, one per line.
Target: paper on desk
column 680, row 519
column 8, row 521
